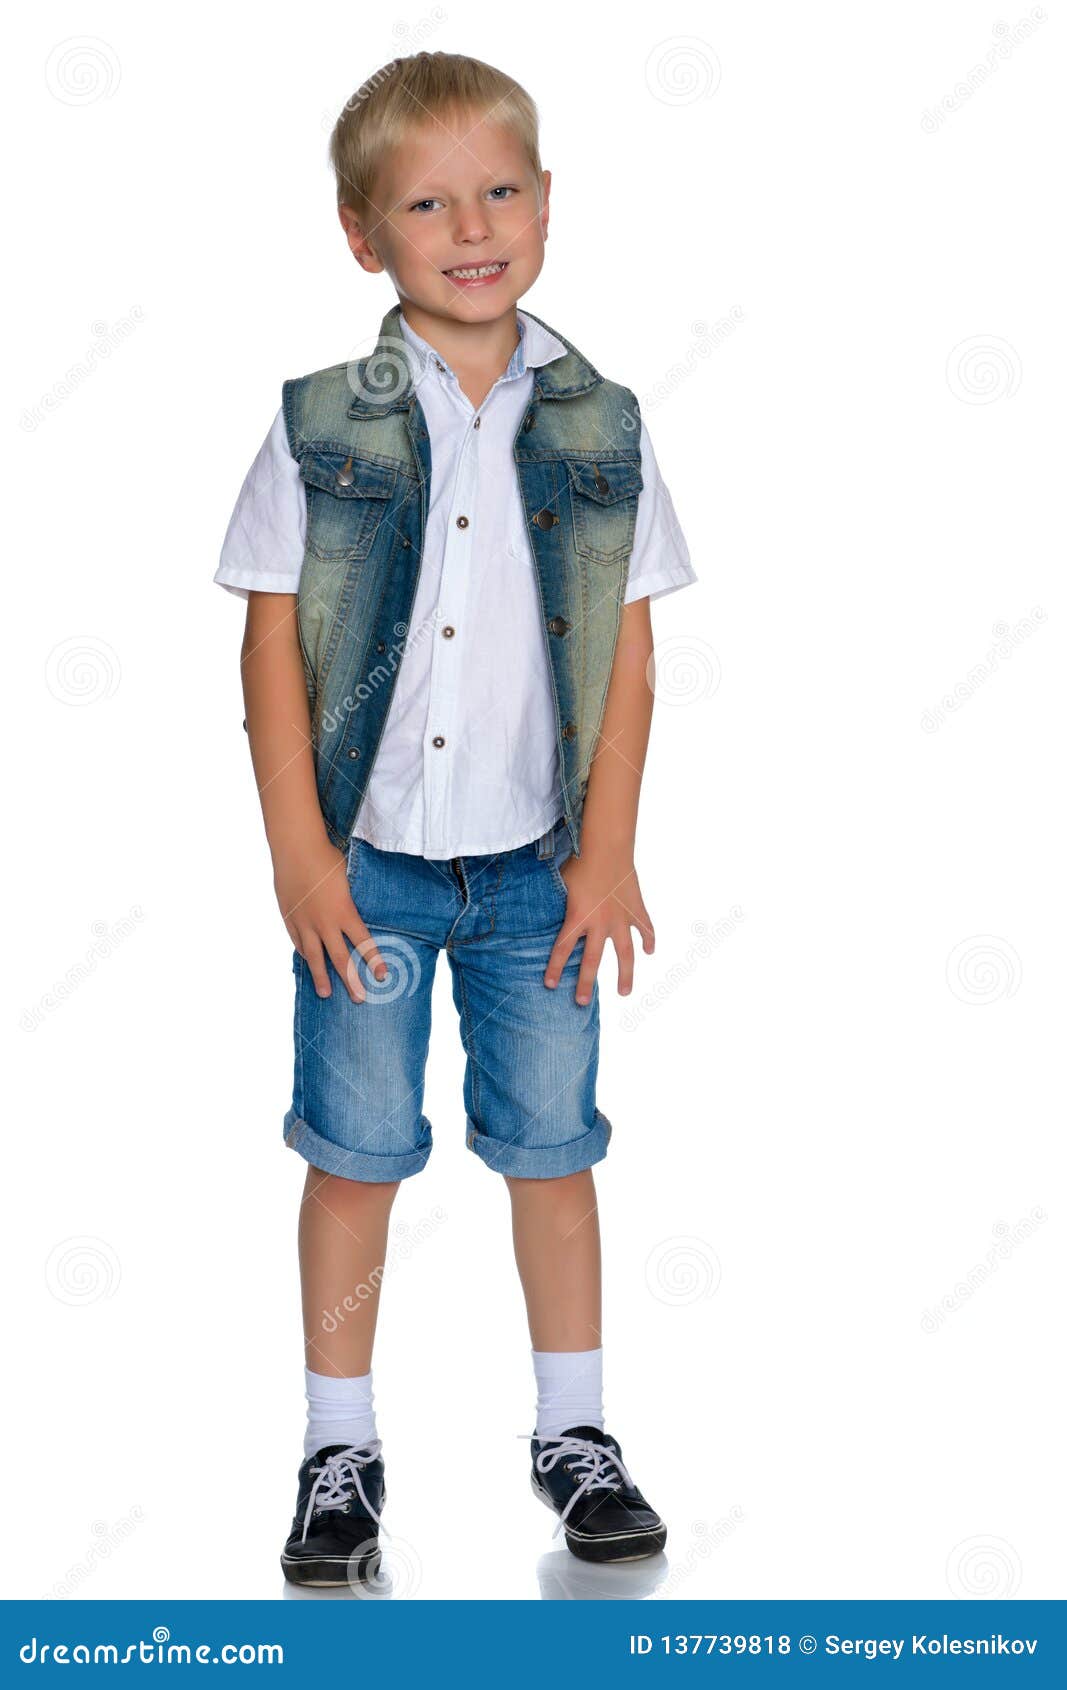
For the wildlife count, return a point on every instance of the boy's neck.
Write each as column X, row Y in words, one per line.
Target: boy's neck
column 478, row 351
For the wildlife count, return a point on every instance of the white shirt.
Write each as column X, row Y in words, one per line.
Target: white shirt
column 487, row 689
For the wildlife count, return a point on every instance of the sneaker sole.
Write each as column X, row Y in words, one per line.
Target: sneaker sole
column 330, row 1572
column 620, row 1546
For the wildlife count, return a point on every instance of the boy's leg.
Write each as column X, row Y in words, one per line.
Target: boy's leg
column 343, row 1234
column 556, row 1231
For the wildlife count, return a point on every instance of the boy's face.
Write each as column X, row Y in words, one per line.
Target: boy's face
column 459, row 193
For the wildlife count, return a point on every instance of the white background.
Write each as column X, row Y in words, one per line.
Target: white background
column 832, row 1109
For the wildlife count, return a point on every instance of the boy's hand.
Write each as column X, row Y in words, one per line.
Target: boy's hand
column 313, row 895
column 603, row 902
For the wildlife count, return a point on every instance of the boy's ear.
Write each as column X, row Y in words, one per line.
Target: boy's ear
column 358, row 243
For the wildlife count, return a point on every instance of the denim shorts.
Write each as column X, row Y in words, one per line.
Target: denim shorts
column 532, row 1050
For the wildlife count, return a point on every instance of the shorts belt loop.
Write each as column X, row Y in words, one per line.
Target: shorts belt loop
column 546, row 845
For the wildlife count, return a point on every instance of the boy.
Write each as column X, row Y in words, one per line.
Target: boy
column 448, row 550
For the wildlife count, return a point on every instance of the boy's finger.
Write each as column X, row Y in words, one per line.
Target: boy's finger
column 625, row 951
column 594, row 950
column 311, row 952
column 345, row 965
column 367, row 948
column 557, row 957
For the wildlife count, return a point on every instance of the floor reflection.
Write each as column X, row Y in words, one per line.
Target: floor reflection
column 563, row 1578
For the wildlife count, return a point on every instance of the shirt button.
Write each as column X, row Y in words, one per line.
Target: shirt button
column 477, row 422
column 439, row 739
column 439, row 364
column 462, row 522
column 448, row 632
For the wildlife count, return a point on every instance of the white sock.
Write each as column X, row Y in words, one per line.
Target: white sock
column 569, row 1390
column 340, row 1411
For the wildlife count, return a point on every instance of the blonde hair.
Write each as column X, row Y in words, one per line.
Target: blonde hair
column 408, row 92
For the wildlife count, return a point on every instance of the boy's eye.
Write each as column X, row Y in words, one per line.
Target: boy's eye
column 504, row 188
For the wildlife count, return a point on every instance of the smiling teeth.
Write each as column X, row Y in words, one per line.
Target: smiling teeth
column 471, row 275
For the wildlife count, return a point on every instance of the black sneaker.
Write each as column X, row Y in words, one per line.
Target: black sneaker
column 334, row 1539
column 580, row 1476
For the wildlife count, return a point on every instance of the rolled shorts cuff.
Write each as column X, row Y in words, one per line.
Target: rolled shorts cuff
column 352, row 1164
column 549, row 1161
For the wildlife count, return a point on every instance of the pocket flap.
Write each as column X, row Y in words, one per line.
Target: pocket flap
column 606, row 482
column 345, row 475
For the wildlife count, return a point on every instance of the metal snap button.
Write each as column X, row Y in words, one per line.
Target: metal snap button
column 601, row 484
column 528, row 421
column 569, row 731
column 380, row 646
column 353, row 752
column 448, row 632
column 344, row 474
column 546, row 519
column 558, row 625
column 462, row 522
column 439, row 739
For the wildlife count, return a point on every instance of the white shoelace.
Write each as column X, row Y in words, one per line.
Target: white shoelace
column 604, row 1469
column 335, row 1478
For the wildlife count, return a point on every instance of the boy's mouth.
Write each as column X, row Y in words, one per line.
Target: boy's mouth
column 477, row 275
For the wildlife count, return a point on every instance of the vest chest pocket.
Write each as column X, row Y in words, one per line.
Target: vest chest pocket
column 604, row 507
column 347, row 497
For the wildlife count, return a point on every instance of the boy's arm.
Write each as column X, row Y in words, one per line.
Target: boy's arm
column 310, row 874
column 603, row 896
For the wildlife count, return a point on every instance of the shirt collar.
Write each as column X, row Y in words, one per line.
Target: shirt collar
column 537, row 346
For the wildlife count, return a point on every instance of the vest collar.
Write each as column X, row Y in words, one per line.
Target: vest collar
column 383, row 382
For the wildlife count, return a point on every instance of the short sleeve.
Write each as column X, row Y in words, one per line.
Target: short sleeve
column 264, row 546
column 659, row 562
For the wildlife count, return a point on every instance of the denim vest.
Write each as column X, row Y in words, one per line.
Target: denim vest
column 359, row 435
